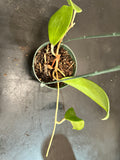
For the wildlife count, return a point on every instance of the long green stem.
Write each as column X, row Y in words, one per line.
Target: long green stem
column 114, row 69
column 96, row 36
column 53, row 133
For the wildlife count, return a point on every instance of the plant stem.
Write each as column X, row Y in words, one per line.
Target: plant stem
column 52, row 50
column 60, row 122
column 114, row 69
column 53, row 133
column 58, row 47
column 96, row 36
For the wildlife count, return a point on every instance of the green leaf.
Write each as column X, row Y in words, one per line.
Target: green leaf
column 59, row 23
column 77, row 123
column 75, row 7
column 93, row 91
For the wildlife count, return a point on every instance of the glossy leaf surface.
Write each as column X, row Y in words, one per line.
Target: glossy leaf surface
column 93, row 91
column 59, row 23
column 75, row 7
column 77, row 123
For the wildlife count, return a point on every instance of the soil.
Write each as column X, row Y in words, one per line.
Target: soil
column 44, row 68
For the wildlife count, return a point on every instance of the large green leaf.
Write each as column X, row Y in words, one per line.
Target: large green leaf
column 76, row 122
column 93, row 91
column 59, row 23
column 75, row 7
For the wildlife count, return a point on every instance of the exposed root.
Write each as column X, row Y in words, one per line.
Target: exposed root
column 40, row 67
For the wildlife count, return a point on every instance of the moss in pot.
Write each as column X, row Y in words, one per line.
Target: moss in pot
column 51, row 65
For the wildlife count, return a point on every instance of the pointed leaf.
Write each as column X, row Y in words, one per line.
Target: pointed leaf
column 75, row 7
column 59, row 23
column 93, row 91
column 77, row 123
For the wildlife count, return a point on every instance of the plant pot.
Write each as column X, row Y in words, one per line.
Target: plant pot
column 70, row 52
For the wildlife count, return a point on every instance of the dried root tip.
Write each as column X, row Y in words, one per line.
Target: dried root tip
column 49, row 66
column 47, row 50
column 40, row 67
column 71, row 66
column 45, row 68
column 45, row 58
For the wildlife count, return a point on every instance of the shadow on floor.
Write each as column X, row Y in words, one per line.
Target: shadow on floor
column 60, row 149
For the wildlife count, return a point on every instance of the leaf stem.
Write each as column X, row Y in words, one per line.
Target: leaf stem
column 60, row 122
column 73, row 18
column 53, row 133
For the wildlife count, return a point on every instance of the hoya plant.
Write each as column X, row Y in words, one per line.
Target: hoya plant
column 59, row 24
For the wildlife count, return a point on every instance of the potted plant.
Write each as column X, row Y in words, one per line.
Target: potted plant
column 54, row 65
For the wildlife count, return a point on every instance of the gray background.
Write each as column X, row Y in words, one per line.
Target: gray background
column 27, row 110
